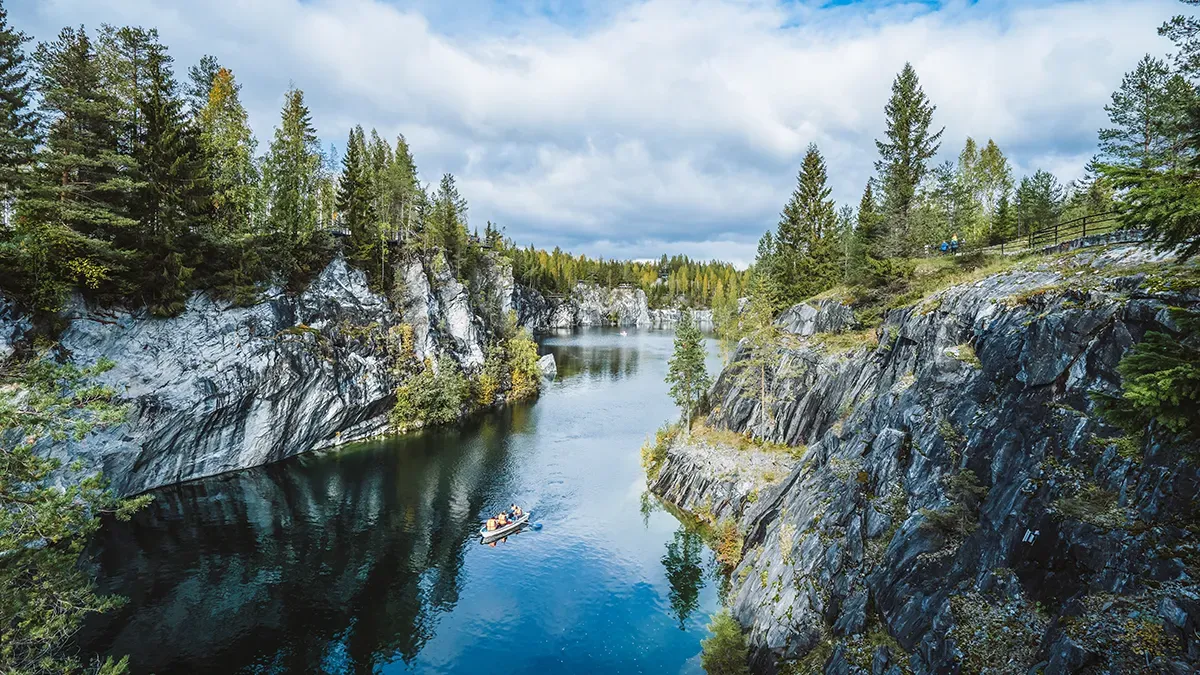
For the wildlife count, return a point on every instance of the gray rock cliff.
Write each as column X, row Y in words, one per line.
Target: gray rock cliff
column 960, row 505
column 220, row 388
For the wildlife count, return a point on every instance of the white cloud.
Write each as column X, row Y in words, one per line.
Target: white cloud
column 656, row 126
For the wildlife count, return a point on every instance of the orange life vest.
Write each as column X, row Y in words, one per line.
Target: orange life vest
column 491, row 524
column 503, row 520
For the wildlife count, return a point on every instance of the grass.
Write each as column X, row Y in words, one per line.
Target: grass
column 837, row 343
column 929, row 276
column 966, row 354
column 742, row 442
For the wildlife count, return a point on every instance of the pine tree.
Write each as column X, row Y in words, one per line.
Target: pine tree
column 293, row 174
column 174, row 193
column 686, row 372
column 1147, row 114
column 903, row 157
column 18, row 121
column 127, row 56
column 77, row 206
column 201, row 79
column 354, row 203
column 1004, row 220
column 995, row 177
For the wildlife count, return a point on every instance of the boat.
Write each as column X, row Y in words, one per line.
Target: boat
column 515, row 525
column 624, row 334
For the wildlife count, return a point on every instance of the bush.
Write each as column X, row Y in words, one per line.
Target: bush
column 726, row 652
column 433, row 396
column 1160, row 385
column 961, row 517
column 728, row 543
column 655, row 453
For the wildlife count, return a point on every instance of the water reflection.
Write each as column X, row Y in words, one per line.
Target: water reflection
column 685, row 572
column 343, row 561
column 368, row 560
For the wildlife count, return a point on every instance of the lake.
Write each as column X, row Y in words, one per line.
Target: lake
column 367, row 559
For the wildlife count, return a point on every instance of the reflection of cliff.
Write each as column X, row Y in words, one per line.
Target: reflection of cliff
column 341, row 560
column 596, row 361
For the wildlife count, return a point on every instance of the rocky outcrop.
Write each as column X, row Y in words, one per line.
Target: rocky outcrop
column 220, row 388
column 548, row 367
column 669, row 318
column 826, row 316
column 961, row 505
column 586, row 305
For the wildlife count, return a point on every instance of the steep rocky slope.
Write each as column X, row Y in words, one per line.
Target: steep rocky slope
column 585, row 305
column 219, row 388
column 960, row 506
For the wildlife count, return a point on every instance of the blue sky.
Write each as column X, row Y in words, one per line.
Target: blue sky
column 637, row 127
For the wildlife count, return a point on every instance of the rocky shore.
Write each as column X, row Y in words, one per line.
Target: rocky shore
column 959, row 504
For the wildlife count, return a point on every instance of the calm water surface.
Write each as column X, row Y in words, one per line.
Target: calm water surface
column 367, row 559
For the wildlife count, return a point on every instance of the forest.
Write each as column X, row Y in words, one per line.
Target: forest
column 138, row 186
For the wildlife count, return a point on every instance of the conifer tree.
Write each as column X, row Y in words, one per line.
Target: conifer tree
column 18, row 121
column 448, row 220
column 293, row 173
column 904, row 155
column 806, row 242
column 1039, row 200
column 201, row 78
column 77, row 206
column 686, row 372
column 229, row 145
column 1148, row 116
column 127, row 56
column 173, row 196
column 354, row 203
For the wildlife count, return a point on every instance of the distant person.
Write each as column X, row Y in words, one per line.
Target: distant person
column 954, row 244
column 944, row 247
column 502, row 519
column 491, row 524
column 516, row 511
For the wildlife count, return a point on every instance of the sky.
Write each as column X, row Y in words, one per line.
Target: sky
column 632, row 128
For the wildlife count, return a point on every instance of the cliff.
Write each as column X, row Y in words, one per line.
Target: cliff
column 960, row 506
column 220, row 388
column 585, row 305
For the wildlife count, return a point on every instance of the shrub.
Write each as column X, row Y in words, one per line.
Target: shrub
column 655, row 453
column 433, row 396
column 1160, row 382
column 726, row 652
column 728, row 543
column 1092, row 505
column 961, row 516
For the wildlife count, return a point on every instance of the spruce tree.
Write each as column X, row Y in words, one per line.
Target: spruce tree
column 292, row 173
column 1039, row 201
column 354, row 203
column 76, row 210
column 686, row 372
column 904, row 155
column 127, row 56
column 18, row 120
column 229, row 146
column 174, row 194
column 806, row 243
column 448, row 220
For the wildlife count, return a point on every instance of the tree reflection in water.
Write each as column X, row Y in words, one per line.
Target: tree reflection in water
column 684, row 564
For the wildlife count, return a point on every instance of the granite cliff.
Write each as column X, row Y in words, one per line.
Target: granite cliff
column 950, row 500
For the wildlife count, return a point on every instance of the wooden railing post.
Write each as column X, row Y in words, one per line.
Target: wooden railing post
column 1084, row 226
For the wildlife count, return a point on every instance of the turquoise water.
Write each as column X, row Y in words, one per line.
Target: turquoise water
column 367, row 559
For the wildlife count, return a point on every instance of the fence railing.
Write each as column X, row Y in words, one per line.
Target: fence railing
column 1059, row 232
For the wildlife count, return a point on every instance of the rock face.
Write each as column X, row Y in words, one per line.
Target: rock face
column 548, row 367
column 587, row 305
column 961, row 505
column 667, row 318
column 220, row 388
column 826, row 316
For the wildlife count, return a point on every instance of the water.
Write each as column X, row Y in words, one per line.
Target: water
column 368, row 559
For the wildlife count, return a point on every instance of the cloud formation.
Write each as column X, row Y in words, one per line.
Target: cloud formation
column 661, row 125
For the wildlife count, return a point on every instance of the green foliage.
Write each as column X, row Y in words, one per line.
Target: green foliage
column 43, row 527
column 18, row 123
column 961, row 516
column 803, row 260
column 434, row 396
column 654, row 453
column 686, row 372
column 1148, row 114
column 726, row 652
column 1160, row 388
column 904, row 155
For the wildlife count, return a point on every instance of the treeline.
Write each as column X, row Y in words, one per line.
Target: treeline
column 138, row 187
column 910, row 205
column 669, row 282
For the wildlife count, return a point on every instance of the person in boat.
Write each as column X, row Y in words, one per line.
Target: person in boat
column 502, row 519
column 491, row 524
column 516, row 512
